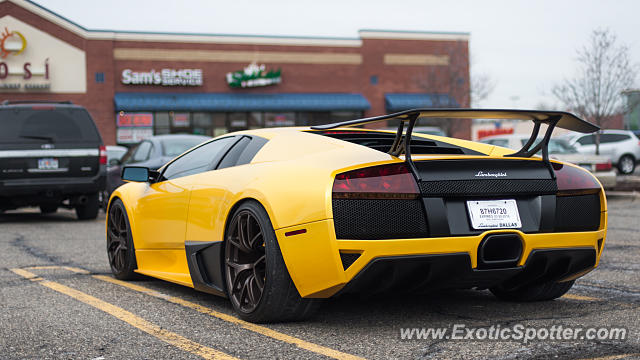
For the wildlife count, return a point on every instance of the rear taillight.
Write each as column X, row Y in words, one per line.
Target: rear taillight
column 571, row 180
column 103, row 155
column 392, row 181
column 603, row 166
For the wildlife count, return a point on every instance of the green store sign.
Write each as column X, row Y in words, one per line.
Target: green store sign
column 253, row 76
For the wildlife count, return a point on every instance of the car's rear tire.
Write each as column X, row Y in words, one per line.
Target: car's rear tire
column 257, row 280
column 535, row 292
column 626, row 164
column 120, row 249
column 48, row 209
column 89, row 209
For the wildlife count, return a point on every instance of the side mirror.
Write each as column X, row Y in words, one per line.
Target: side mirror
column 114, row 162
column 135, row 173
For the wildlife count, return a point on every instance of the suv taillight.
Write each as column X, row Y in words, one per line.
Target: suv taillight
column 392, row 181
column 571, row 179
column 604, row 166
column 103, row 155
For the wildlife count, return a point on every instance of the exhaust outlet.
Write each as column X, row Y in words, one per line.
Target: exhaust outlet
column 500, row 251
column 82, row 200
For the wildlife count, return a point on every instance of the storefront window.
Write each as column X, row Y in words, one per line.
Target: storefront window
column 161, row 123
column 219, row 121
column 337, row 116
column 180, row 122
column 238, row 121
column 202, row 123
column 276, row 119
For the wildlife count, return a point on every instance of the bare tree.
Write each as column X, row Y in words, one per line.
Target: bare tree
column 481, row 87
column 604, row 71
column 454, row 83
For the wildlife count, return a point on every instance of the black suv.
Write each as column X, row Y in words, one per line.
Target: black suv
column 51, row 156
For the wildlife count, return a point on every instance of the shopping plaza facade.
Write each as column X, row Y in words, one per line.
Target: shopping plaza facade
column 139, row 84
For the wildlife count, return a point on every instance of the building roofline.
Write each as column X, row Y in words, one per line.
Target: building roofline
column 152, row 36
column 413, row 35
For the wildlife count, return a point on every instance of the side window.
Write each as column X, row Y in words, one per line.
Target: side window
column 618, row 137
column 143, row 152
column 198, row 160
column 127, row 158
column 243, row 151
column 586, row 140
column 231, row 159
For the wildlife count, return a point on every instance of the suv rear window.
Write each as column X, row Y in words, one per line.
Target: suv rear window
column 33, row 124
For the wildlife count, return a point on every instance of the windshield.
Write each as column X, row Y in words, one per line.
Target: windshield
column 46, row 124
column 175, row 147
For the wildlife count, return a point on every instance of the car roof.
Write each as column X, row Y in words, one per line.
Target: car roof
column 178, row 136
column 27, row 104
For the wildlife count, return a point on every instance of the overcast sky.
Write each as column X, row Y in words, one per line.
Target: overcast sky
column 524, row 46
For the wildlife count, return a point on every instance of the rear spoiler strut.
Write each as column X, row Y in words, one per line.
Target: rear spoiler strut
column 402, row 142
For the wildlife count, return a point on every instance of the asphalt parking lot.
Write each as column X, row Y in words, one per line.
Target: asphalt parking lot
column 58, row 301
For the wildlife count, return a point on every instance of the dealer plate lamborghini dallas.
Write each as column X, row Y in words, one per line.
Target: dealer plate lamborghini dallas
column 277, row 219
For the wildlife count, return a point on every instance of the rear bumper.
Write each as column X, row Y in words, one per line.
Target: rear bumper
column 52, row 188
column 317, row 269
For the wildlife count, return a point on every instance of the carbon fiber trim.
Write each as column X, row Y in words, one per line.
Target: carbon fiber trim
column 577, row 213
column 488, row 187
column 364, row 219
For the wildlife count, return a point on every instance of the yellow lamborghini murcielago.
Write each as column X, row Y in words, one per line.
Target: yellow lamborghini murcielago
column 276, row 219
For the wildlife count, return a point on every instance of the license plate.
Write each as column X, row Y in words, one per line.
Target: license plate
column 494, row 214
column 48, row 164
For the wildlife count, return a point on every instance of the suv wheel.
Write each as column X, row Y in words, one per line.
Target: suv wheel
column 627, row 164
column 88, row 210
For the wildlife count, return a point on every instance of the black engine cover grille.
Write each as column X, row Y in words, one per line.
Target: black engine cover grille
column 487, row 187
column 577, row 213
column 362, row 219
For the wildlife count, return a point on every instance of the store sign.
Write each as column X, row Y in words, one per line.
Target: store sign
column 133, row 127
column 491, row 132
column 132, row 135
column 14, row 73
column 134, row 119
column 164, row 77
column 180, row 120
column 253, row 76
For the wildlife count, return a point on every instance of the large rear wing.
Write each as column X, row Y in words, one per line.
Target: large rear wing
column 402, row 141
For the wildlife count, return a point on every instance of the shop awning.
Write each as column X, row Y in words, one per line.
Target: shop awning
column 399, row 102
column 223, row 102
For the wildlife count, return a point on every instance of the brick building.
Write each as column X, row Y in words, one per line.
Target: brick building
column 137, row 84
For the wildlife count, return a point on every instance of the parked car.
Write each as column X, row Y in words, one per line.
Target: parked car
column 428, row 130
column 277, row 219
column 152, row 153
column 622, row 147
column 115, row 154
column 51, row 156
column 560, row 149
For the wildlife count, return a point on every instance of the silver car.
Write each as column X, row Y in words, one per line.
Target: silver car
column 622, row 147
column 560, row 149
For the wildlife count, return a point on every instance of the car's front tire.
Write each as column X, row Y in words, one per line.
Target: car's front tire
column 626, row 164
column 257, row 280
column 120, row 249
column 535, row 292
column 89, row 209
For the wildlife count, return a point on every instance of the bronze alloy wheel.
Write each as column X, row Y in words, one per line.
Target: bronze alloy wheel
column 117, row 235
column 245, row 261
